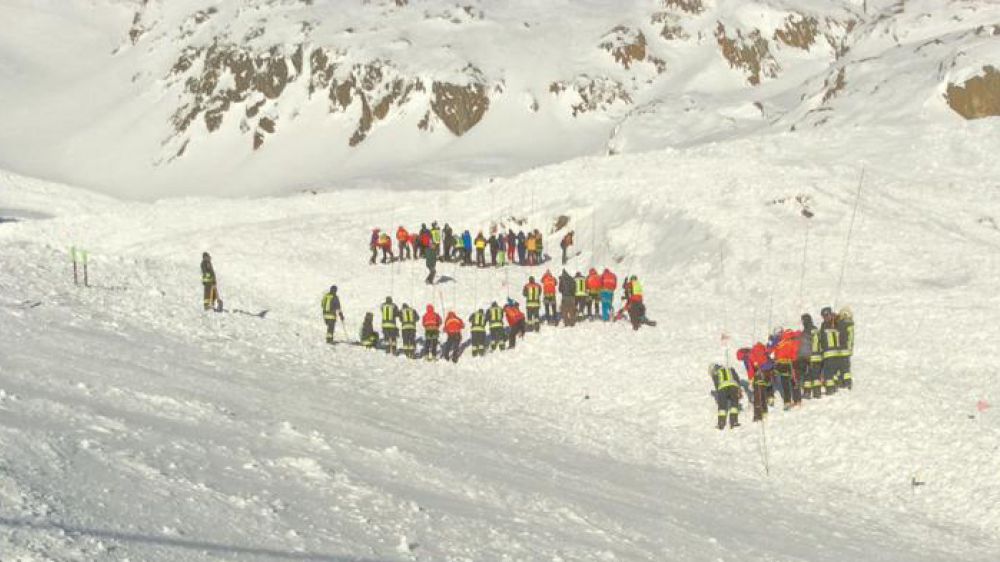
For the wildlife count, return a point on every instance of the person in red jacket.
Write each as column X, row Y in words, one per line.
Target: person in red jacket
column 515, row 322
column 373, row 246
column 453, row 326
column 403, row 237
column 609, row 282
column 758, row 366
column 786, row 351
column 549, row 286
column 594, row 286
column 432, row 331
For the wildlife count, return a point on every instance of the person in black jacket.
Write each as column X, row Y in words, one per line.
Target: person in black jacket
column 331, row 311
column 727, row 394
column 390, row 330
column 567, row 307
column 448, row 238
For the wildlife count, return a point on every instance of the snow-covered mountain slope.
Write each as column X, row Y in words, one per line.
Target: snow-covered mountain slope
column 148, row 98
column 136, row 427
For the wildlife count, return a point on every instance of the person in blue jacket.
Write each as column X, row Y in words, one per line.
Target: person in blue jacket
column 467, row 250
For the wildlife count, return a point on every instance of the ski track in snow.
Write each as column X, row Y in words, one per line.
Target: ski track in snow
column 134, row 426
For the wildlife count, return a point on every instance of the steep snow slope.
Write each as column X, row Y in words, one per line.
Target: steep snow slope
column 153, row 98
column 137, row 427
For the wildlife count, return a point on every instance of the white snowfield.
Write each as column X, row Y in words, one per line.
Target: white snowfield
column 134, row 426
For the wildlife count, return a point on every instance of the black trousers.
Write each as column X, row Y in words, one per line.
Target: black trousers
column 550, row 309
column 759, row 399
column 728, row 402
column 451, row 347
column 331, row 327
column 533, row 318
column 497, row 338
column 409, row 340
column 515, row 331
column 478, row 343
column 431, row 343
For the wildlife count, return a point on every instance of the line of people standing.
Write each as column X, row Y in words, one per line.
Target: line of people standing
column 496, row 250
column 497, row 327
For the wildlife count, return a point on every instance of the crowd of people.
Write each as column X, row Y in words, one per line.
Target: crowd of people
column 451, row 245
column 495, row 327
column 801, row 364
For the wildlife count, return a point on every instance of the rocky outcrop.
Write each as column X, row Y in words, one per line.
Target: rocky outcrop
column 977, row 97
column 460, row 108
column 748, row 52
column 591, row 93
column 688, row 6
column 799, row 32
column 626, row 45
column 227, row 75
column 223, row 76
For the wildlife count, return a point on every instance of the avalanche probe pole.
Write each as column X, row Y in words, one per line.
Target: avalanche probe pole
column 72, row 256
column 86, row 281
column 850, row 232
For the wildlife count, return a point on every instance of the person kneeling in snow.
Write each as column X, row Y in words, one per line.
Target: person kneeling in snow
column 369, row 337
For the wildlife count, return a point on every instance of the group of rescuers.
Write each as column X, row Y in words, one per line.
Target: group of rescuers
column 495, row 327
column 806, row 363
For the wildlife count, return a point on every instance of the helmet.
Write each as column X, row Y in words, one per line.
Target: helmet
column 511, row 302
column 406, row 305
column 807, row 321
column 388, row 300
column 333, row 288
column 846, row 313
column 494, row 303
column 531, row 279
column 205, row 256
column 827, row 311
column 430, row 308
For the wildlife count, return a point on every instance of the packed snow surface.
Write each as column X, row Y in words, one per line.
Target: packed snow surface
column 134, row 426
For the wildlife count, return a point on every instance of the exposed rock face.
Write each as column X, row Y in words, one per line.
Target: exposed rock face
column 749, row 52
column 799, row 32
column 460, row 108
column 689, row 6
column 228, row 74
column 592, row 93
column 626, row 45
column 977, row 97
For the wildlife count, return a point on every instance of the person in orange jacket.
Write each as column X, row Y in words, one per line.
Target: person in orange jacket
column 549, row 287
column 515, row 322
column 453, row 326
column 432, row 331
column 594, row 286
column 609, row 282
column 786, row 351
column 403, row 237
